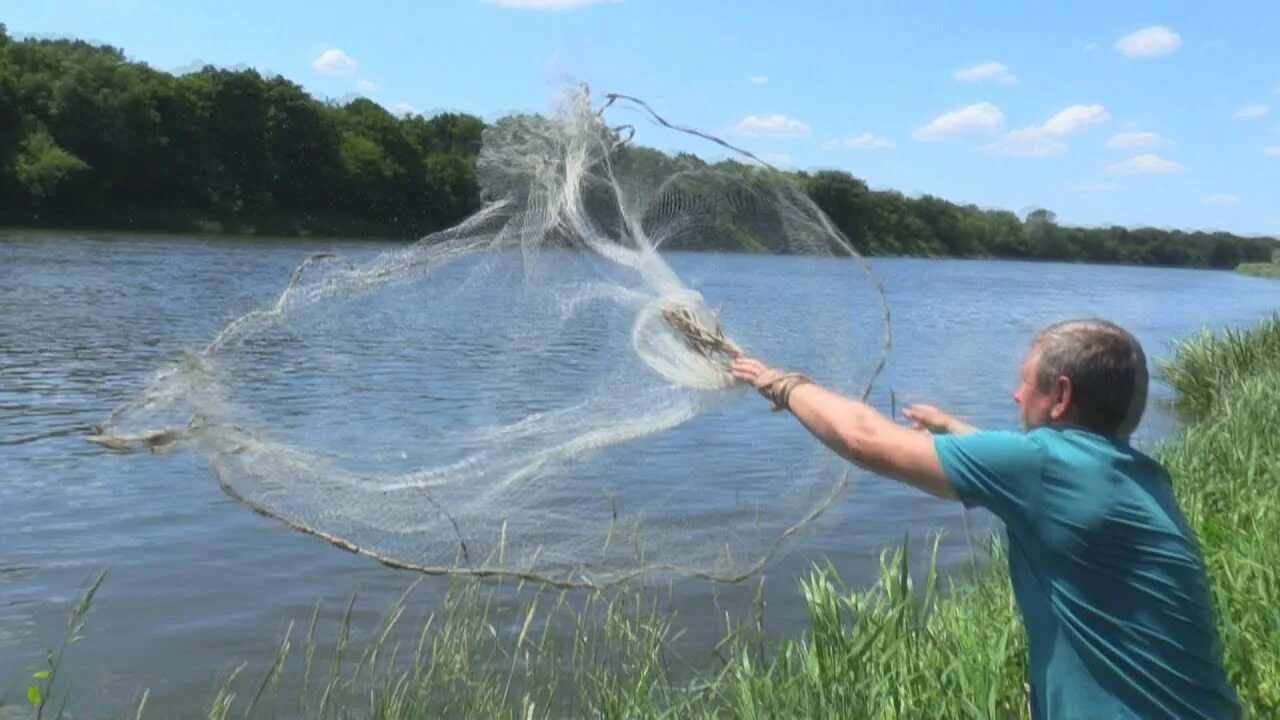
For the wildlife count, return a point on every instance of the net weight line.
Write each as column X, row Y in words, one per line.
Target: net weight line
column 560, row 583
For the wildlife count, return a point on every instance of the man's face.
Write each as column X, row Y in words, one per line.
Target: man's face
column 1038, row 406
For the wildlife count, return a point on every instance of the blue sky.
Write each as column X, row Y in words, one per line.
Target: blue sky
column 1135, row 113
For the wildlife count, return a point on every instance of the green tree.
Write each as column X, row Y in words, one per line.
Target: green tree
column 42, row 166
column 87, row 136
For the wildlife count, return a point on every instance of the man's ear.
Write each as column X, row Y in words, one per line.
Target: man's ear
column 1063, row 394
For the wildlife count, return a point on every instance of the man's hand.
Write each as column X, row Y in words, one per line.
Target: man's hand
column 773, row 384
column 754, row 372
column 930, row 418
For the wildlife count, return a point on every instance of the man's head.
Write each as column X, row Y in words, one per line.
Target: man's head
column 1084, row 373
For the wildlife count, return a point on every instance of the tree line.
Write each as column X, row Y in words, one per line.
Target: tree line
column 88, row 138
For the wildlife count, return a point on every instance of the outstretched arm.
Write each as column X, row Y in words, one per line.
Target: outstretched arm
column 853, row 429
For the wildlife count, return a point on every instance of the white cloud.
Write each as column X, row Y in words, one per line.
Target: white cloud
column 334, row 62
column 758, row 79
column 771, row 126
column 1220, row 199
column 1029, row 142
column 1096, row 187
column 1136, row 141
column 366, row 86
column 1146, row 164
column 1271, row 151
column 1149, row 42
column 987, row 71
column 546, row 4
column 1076, row 118
column 1252, row 111
column 1047, row 139
column 405, row 108
column 862, row 141
column 980, row 117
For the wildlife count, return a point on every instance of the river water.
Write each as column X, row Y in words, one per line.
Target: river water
column 197, row 583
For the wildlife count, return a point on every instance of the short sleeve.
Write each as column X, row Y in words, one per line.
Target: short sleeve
column 998, row 470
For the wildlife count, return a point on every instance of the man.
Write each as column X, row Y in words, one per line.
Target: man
column 1105, row 570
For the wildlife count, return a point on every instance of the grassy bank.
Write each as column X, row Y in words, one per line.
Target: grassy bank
column 1267, row 270
column 326, row 225
column 912, row 646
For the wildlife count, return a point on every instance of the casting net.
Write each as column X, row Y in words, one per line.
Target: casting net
column 542, row 390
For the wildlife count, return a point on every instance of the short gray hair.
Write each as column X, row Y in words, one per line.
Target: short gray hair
column 1107, row 369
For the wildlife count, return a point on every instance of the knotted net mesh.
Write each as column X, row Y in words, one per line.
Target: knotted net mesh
column 542, row 391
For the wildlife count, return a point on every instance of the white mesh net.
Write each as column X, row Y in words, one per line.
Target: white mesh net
column 511, row 396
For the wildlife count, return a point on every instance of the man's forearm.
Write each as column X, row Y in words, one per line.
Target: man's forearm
column 864, row 436
column 839, row 422
column 853, row 429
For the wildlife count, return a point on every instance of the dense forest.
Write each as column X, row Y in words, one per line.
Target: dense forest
column 90, row 139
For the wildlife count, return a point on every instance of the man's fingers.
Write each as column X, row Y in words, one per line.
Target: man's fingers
column 747, row 369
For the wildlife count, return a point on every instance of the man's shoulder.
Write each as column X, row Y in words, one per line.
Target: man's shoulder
column 991, row 452
column 996, row 469
column 1082, row 447
column 1012, row 442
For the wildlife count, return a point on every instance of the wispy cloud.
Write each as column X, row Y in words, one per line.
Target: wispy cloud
column 862, row 141
column 1149, row 42
column 1220, row 199
column 1144, row 140
column 1039, row 141
column 334, row 62
column 1090, row 47
column 1147, row 164
column 1271, row 151
column 1027, row 142
column 366, row 86
column 987, row 71
column 548, row 4
column 771, row 126
column 757, row 79
column 1075, row 118
column 405, row 108
column 1253, row 110
column 980, row 117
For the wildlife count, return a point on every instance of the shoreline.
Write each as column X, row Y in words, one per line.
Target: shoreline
column 221, row 235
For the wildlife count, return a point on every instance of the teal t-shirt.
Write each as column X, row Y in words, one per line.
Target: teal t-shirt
column 1106, row 572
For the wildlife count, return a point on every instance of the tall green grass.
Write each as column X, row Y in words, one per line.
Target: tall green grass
column 898, row 650
column 914, row 645
column 1265, row 270
column 1206, row 368
column 1227, row 470
column 889, row 651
